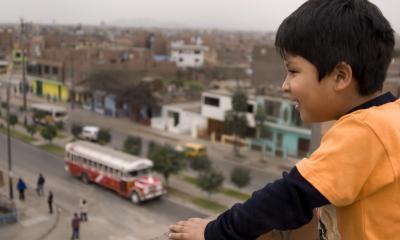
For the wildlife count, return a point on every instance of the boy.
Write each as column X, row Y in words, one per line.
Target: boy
column 336, row 53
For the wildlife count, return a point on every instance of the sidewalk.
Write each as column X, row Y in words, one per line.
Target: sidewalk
column 34, row 221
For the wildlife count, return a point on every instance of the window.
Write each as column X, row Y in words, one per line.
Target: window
column 250, row 108
column 46, row 69
column 286, row 115
column 55, row 70
column 197, row 51
column 175, row 116
column 142, row 172
column 196, row 60
column 211, row 101
column 180, row 59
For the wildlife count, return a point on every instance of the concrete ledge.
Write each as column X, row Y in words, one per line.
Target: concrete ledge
column 8, row 212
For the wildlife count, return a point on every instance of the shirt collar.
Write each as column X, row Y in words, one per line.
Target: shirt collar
column 380, row 100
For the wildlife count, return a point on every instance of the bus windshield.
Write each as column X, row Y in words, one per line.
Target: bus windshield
column 138, row 173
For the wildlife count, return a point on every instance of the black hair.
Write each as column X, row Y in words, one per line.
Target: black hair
column 327, row 32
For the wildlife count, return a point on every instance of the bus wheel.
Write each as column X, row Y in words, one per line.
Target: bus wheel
column 135, row 198
column 85, row 178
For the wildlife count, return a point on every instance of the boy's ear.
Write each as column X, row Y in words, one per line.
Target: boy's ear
column 343, row 75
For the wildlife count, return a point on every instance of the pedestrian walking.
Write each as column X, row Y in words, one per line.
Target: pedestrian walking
column 83, row 210
column 40, row 184
column 50, row 202
column 75, row 223
column 21, row 186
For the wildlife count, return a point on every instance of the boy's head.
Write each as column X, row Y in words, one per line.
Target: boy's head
column 342, row 38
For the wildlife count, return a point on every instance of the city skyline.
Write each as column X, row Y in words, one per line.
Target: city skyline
column 257, row 15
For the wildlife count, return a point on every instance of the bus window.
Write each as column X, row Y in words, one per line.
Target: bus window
column 141, row 172
column 95, row 164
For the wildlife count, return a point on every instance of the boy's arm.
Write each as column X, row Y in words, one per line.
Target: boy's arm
column 285, row 204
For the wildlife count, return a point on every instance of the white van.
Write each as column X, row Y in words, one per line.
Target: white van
column 49, row 114
column 90, row 133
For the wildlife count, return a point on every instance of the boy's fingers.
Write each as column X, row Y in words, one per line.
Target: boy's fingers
column 176, row 228
column 178, row 236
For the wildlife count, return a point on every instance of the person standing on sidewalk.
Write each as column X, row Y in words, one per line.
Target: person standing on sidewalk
column 21, row 186
column 75, row 223
column 50, row 202
column 40, row 184
column 83, row 209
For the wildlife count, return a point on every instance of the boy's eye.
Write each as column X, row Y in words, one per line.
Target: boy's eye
column 291, row 71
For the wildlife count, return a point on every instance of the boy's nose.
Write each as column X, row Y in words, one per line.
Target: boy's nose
column 285, row 86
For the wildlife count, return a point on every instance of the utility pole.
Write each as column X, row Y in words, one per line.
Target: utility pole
column 72, row 92
column 10, row 174
column 23, row 45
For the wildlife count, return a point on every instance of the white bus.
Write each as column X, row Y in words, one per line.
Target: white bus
column 49, row 114
column 128, row 175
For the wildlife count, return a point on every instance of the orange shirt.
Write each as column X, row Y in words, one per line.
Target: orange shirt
column 357, row 168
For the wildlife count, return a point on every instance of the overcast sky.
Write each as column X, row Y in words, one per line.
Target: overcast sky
column 229, row 14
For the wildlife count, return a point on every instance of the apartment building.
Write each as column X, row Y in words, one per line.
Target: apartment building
column 185, row 55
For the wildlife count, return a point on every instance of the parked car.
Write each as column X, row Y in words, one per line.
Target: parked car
column 90, row 133
column 192, row 150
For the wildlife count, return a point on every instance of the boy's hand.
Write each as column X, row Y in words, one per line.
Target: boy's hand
column 192, row 229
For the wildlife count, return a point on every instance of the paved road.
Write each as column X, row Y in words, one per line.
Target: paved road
column 221, row 158
column 105, row 205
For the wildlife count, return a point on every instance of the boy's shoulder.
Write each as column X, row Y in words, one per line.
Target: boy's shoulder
column 375, row 116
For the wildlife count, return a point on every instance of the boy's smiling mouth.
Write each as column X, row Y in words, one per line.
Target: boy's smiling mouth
column 296, row 104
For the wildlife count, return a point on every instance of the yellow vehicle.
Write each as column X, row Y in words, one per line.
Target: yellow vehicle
column 195, row 150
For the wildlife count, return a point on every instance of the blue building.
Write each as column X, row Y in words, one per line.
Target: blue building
column 283, row 133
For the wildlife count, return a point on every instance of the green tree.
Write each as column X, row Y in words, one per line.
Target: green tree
column 31, row 129
column 240, row 176
column 235, row 122
column 76, row 129
column 152, row 147
column 200, row 163
column 210, row 181
column 133, row 145
column 260, row 118
column 13, row 119
column 104, row 136
column 166, row 160
column 48, row 132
